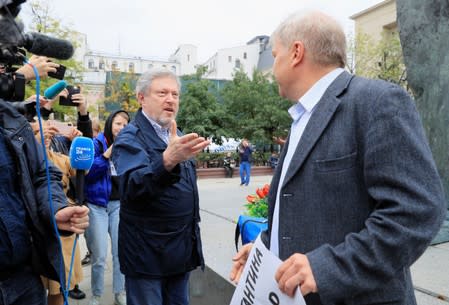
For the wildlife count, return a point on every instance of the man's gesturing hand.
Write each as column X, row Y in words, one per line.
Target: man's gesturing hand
column 239, row 261
column 182, row 148
column 294, row 272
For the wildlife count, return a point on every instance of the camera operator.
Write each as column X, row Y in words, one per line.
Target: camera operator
column 29, row 246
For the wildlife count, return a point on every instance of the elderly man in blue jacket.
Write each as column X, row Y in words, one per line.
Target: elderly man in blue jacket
column 159, row 236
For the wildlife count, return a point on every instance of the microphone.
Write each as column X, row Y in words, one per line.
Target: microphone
column 81, row 156
column 48, row 46
column 54, row 89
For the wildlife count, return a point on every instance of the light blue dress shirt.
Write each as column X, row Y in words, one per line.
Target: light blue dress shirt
column 163, row 133
column 300, row 113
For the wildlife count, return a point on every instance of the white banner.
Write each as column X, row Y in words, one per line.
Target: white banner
column 257, row 285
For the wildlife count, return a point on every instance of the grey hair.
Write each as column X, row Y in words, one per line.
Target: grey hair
column 145, row 80
column 321, row 35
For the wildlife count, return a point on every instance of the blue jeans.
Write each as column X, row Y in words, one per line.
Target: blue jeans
column 101, row 221
column 173, row 290
column 23, row 288
column 245, row 172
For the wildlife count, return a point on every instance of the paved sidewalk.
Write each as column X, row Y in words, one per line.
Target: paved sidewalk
column 221, row 202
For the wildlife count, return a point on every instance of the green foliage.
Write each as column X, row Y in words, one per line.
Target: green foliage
column 257, row 204
column 120, row 90
column 199, row 110
column 254, row 109
column 44, row 23
column 382, row 59
column 257, row 209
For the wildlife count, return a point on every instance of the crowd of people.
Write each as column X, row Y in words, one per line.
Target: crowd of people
column 355, row 198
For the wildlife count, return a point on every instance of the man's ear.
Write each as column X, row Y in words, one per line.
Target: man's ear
column 140, row 98
column 297, row 53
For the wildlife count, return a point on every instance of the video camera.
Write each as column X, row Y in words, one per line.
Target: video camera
column 13, row 43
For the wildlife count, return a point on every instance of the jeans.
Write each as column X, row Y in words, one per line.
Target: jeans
column 101, row 221
column 245, row 172
column 23, row 288
column 173, row 290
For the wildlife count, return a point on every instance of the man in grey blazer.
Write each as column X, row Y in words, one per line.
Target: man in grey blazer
column 356, row 197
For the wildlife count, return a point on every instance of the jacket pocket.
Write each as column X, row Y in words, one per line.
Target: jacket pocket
column 166, row 252
column 337, row 164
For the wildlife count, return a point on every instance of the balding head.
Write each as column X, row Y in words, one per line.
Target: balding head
column 322, row 36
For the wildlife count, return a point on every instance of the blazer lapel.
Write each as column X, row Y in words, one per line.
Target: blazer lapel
column 277, row 175
column 318, row 122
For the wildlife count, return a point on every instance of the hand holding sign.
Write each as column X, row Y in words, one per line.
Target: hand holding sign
column 257, row 284
column 294, row 272
column 239, row 261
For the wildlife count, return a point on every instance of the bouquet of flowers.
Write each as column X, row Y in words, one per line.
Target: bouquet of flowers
column 257, row 205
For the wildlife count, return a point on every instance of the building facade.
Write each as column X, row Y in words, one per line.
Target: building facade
column 225, row 62
column 255, row 54
column 376, row 19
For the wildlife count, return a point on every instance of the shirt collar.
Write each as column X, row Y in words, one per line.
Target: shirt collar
column 155, row 125
column 309, row 100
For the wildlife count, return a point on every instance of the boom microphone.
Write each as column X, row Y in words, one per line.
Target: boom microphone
column 52, row 91
column 81, row 156
column 47, row 46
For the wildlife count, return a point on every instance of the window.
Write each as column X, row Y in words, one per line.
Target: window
column 131, row 67
column 188, row 57
column 150, row 66
column 101, row 64
column 173, row 69
column 244, row 55
column 91, row 64
column 114, row 65
column 237, row 63
column 229, row 58
column 164, row 66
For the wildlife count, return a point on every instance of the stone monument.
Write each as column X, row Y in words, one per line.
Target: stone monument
column 424, row 33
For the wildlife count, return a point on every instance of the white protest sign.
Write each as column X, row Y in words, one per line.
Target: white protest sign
column 257, row 285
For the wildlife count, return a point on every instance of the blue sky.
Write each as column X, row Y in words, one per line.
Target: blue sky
column 154, row 29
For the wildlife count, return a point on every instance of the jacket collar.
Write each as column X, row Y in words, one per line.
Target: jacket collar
column 148, row 131
column 321, row 117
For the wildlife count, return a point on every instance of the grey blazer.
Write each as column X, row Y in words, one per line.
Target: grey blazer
column 362, row 197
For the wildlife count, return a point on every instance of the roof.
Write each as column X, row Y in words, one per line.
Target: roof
column 372, row 8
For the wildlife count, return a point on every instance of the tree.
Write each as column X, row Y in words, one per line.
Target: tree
column 391, row 64
column 44, row 23
column 199, row 110
column 254, row 109
column 119, row 92
column 382, row 59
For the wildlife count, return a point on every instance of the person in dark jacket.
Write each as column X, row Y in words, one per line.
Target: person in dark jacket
column 159, row 235
column 229, row 164
column 101, row 192
column 356, row 197
column 29, row 246
column 245, row 151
